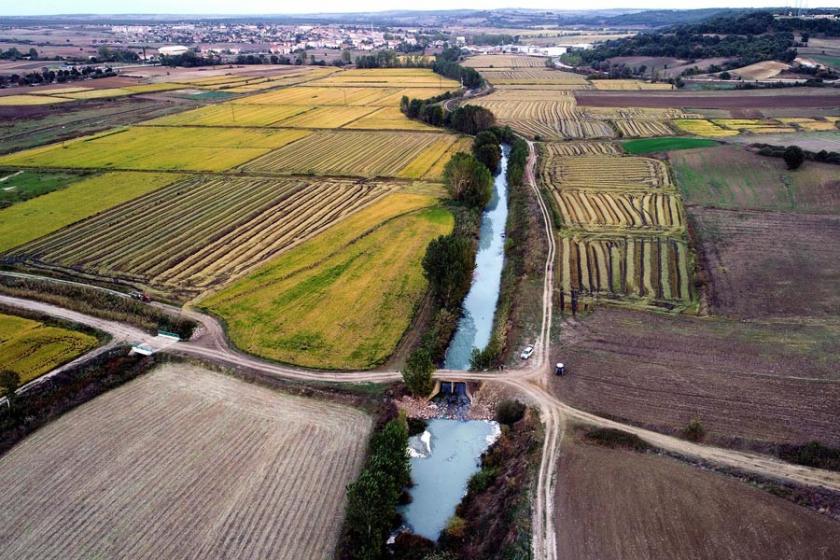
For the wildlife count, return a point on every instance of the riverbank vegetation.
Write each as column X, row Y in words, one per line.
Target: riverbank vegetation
column 373, row 497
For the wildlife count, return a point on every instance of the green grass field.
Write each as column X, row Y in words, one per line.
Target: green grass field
column 18, row 187
column 31, row 348
column 665, row 144
column 34, row 218
column 343, row 299
column 732, row 177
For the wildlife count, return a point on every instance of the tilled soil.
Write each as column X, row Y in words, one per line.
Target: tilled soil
column 770, row 264
column 750, row 385
column 616, row 504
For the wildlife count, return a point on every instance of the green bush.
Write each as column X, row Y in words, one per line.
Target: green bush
column 417, row 373
column 694, row 431
column 509, row 412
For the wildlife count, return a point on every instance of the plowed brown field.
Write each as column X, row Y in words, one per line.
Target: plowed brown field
column 745, row 382
column 622, row 505
column 183, row 463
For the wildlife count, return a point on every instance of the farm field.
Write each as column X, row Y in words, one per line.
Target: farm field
column 486, row 61
column 204, row 230
column 295, row 309
column 20, row 186
column 771, row 264
column 802, row 99
column 604, row 172
column 357, row 153
column 551, row 119
column 629, row 85
column 703, row 127
column 390, row 77
column 387, row 118
column 26, row 127
column 750, row 384
column 31, row 348
column 653, row 145
column 534, row 76
column 158, row 148
column 273, row 470
column 549, row 150
column 11, row 100
column 734, row 177
column 315, row 94
column 616, row 504
column 231, row 114
column 600, row 211
column 625, row 266
column 45, row 214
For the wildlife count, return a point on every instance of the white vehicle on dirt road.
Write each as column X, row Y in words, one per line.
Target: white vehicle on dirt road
column 527, row 352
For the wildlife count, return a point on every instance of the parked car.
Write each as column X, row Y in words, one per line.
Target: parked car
column 526, row 353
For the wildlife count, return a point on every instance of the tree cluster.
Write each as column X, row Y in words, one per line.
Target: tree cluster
column 468, row 180
column 55, row 76
column 796, row 156
column 108, row 54
column 14, row 54
column 447, row 64
column 372, row 499
column 390, row 59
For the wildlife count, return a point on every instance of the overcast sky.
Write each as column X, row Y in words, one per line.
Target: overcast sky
column 41, row 7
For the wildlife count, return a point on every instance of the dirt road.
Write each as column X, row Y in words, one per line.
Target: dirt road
column 209, row 343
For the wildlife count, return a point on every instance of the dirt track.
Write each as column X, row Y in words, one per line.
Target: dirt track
column 211, row 344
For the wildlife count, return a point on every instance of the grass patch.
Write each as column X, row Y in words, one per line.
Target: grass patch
column 24, row 185
column 665, row 144
column 612, row 438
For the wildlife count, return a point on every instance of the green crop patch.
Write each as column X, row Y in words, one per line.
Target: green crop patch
column 665, row 144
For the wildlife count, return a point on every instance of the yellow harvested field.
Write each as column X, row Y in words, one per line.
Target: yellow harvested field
column 231, row 114
column 579, row 149
column 535, row 76
column 41, row 99
column 809, row 124
column 703, row 127
column 357, row 153
column 605, row 173
column 31, row 348
column 555, row 119
column 629, row 85
column 99, row 93
column 163, row 148
column 187, row 463
column 435, row 172
column 286, row 79
column 297, row 309
column 389, row 77
column 639, row 113
column 650, row 268
column 204, row 230
column 58, row 91
column 326, row 117
column 630, row 128
column 754, row 125
column 483, row 61
column 761, row 70
column 29, row 220
column 388, row 118
column 150, row 88
column 619, row 211
column 314, row 95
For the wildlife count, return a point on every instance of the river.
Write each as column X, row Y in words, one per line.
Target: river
column 479, row 308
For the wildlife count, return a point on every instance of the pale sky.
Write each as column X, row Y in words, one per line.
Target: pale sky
column 245, row 7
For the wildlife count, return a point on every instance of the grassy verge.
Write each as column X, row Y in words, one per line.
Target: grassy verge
column 97, row 303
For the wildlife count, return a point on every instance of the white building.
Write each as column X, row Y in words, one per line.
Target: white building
column 172, row 50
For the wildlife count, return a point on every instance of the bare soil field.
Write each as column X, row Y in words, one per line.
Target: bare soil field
column 618, row 504
column 718, row 100
column 750, row 385
column 770, row 264
column 813, row 141
column 183, row 463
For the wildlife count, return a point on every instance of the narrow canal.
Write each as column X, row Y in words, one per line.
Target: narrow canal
column 479, row 307
column 448, row 453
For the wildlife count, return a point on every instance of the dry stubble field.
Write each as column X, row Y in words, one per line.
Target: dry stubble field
column 183, row 463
